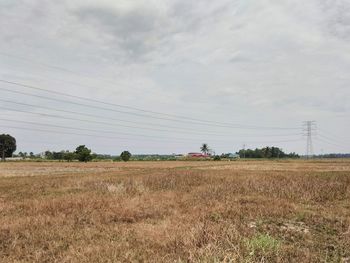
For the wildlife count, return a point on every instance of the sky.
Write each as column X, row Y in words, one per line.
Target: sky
column 165, row 76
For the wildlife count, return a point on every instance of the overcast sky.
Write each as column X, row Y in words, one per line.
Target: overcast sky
column 233, row 72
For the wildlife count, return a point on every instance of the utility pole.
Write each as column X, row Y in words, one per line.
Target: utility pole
column 309, row 128
column 243, row 151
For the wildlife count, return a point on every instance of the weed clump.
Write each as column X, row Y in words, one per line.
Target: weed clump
column 263, row 247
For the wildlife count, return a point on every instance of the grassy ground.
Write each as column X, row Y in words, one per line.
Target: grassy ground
column 242, row 211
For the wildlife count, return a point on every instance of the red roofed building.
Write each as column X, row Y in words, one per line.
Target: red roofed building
column 198, row 155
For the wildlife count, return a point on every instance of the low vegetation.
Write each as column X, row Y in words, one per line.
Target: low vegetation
column 266, row 152
column 243, row 211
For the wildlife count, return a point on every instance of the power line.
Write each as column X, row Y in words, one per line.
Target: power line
column 329, row 140
column 85, row 129
column 173, row 116
column 92, row 130
column 103, row 117
column 113, row 110
column 333, row 144
column 68, row 118
column 70, row 145
column 69, row 133
column 111, row 82
column 90, row 106
column 74, row 119
column 190, row 120
column 110, row 137
column 135, row 127
column 331, row 137
column 80, row 74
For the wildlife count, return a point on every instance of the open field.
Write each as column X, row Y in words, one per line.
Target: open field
column 241, row 211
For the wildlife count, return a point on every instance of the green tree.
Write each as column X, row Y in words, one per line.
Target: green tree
column 57, row 155
column 69, row 156
column 83, row 153
column 7, row 146
column 217, row 158
column 205, row 148
column 48, row 155
column 266, row 152
column 125, row 156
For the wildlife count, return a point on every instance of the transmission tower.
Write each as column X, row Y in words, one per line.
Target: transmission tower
column 309, row 130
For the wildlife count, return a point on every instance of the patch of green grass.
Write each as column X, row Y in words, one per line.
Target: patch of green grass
column 215, row 217
column 301, row 216
column 263, row 246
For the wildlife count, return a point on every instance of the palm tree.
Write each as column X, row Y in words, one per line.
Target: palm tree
column 205, row 148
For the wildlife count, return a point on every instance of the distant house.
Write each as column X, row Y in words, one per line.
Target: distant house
column 233, row 156
column 198, row 155
column 42, row 155
column 14, row 159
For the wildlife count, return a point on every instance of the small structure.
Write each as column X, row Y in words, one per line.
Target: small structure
column 14, row 159
column 233, row 156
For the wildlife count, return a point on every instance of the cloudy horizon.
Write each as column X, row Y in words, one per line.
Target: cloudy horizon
column 165, row 76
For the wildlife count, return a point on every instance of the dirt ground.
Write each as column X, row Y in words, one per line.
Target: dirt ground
column 178, row 211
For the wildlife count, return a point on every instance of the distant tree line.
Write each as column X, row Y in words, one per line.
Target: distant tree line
column 266, row 152
column 333, row 155
column 84, row 154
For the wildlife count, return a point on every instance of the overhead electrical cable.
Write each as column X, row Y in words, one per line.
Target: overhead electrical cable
column 330, row 141
column 333, row 144
column 177, row 117
column 134, row 122
column 102, row 131
column 113, row 137
column 67, row 118
column 91, row 130
column 331, row 137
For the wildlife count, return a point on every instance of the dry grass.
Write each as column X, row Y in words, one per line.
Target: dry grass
column 244, row 211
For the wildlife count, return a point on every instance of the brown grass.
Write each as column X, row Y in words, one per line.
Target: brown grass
column 243, row 211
